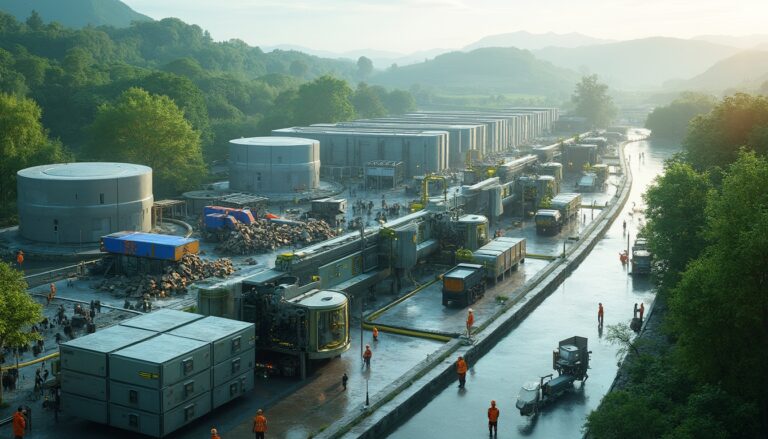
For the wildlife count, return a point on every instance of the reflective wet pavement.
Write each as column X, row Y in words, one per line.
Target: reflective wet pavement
column 525, row 354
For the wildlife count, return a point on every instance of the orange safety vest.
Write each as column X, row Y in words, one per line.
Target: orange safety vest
column 493, row 414
column 367, row 353
column 19, row 424
column 600, row 311
column 470, row 319
column 259, row 424
column 461, row 366
column 20, row 258
column 375, row 333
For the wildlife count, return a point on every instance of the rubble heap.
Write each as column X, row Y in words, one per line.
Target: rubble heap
column 174, row 281
column 264, row 236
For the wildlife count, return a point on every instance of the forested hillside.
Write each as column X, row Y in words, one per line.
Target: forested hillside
column 75, row 13
column 82, row 84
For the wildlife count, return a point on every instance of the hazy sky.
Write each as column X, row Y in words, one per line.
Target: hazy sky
column 410, row 25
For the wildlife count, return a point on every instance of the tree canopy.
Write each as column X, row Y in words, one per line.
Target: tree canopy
column 325, row 99
column 671, row 121
column 593, row 102
column 150, row 130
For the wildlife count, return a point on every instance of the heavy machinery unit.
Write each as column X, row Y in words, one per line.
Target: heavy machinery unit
column 548, row 221
column 463, row 285
column 641, row 257
column 500, row 256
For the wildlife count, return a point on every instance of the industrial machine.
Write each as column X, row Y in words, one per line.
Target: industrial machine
column 331, row 210
column 571, row 362
column 463, row 284
column 567, row 204
column 424, row 200
column 548, row 221
column 219, row 220
column 500, row 256
column 641, row 257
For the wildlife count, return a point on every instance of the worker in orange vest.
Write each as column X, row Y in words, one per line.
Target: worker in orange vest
column 19, row 424
column 215, row 433
column 375, row 334
column 642, row 311
column 52, row 294
column 470, row 322
column 461, row 370
column 260, row 424
column 20, row 258
column 600, row 313
column 493, row 419
column 367, row 355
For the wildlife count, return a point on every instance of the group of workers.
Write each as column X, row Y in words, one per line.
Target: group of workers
column 638, row 312
column 259, row 426
column 493, row 411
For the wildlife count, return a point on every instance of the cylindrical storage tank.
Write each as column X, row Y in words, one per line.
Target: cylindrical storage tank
column 197, row 200
column 70, row 203
column 274, row 164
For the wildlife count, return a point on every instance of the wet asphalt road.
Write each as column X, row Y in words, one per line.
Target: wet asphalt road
column 525, row 354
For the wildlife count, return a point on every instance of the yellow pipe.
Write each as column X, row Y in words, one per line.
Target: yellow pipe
column 410, row 332
column 374, row 315
column 537, row 256
column 29, row 363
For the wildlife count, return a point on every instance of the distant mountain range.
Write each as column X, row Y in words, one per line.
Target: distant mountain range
column 381, row 58
column 746, row 70
column 742, row 42
column 75, row 13
column 531, row 41
column 640, row 64
column 501, row 70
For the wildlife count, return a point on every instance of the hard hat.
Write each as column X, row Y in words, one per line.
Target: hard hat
column 367, row 346
column 493, row 402
column 259, row 411
column 214, row 431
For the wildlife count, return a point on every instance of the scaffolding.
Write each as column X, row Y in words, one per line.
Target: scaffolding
column 169, row 208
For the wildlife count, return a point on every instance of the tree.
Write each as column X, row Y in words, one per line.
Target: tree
column 676, row 218
column 714, row 139
column 298, row 68
column 326, row 99
column 399, row 102
column 150, row 130
column 23, row 143
column 671, row 121
column 364, row 67
column 34, row 21
column 367, row 102
column 593, row 102
column 18, row 311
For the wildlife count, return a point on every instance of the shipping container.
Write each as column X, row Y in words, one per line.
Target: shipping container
column 160, row 361
column 159, row 425
column 88, row 354
column 228, row 337
column 567, row 204
column 500, row 256
column 233, row 366
column 160, row 400
column 83, row 384
column 162, row 320
column 85, row 408
column 149, row 245
column 232, row 389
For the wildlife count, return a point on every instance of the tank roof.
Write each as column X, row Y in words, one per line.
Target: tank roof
column 321, row 299
column 273, row 141
column 84, row 171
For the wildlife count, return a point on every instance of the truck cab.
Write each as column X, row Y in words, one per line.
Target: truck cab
column 548, row 221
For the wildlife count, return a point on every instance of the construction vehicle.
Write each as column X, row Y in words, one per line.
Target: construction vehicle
column 548, row 221
column 463, row 284
column 641, row 257
column 571, row 362
column 422, row 203
column 219, row 220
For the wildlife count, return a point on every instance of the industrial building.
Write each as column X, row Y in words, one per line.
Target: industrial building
column 274, row 164
column 345, row 151
column 74, row 203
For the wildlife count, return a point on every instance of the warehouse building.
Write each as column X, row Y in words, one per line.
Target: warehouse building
column 75, row 203
column 345, row 151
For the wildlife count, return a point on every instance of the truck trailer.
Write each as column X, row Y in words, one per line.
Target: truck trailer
column 500, row 256
column 568, row 205
column 463, row 284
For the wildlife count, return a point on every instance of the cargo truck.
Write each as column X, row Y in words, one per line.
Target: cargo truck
column 500, row 256
column 641, row 257
column 548, row 221
column 567, row 204
column 571, row 362
column 463, row 285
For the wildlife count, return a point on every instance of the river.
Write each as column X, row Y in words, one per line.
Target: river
column 525, row 354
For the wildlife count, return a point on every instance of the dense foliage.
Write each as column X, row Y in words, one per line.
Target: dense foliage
column 593, row 102
column 671, row 121
column 81, row 84
column 708, row 228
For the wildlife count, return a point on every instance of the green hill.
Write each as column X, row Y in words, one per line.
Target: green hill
column 746, row 69
column 75, row 13
column 640, row 64
column 495, row 69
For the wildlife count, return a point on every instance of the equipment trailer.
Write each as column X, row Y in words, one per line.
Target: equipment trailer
column 571, row 361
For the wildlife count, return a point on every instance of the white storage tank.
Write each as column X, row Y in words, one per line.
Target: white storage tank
column 274, row 164
column 69, row 203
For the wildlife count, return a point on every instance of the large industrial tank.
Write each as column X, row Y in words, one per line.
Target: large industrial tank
column 70, row 203
column 274, row 164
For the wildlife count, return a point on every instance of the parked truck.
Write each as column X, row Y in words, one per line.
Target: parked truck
column 568, row 205
column 463, row 284
column 641, row 257
column 548, row 221
column 571, row 362
column 500, row 256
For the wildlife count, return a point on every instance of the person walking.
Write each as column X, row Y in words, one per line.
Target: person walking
column 260, row 424
column 215, row 433
column 19, row 424
column 367, row 355
column 375, row 334
column 461, row 370
column 493, row 419
column 20, row 258
column 642, row 311
column 600, row 314
column 470, row 321
column 52, row 293
column 344, row 380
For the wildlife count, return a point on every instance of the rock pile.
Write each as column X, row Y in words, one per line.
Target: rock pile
column 174, row 281
column 265, row 236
